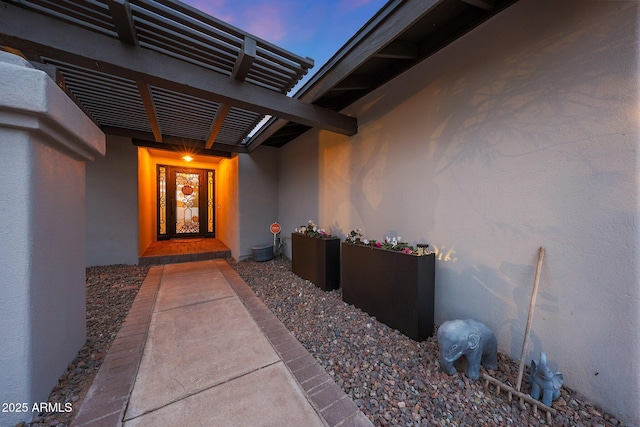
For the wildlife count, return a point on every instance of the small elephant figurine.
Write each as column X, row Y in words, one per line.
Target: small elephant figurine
column 544, row 382
column 469, row 338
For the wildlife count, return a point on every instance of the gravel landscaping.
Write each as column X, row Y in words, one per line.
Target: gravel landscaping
column 394, row 380
column 110, row 293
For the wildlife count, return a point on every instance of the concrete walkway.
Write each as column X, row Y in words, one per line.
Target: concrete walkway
column 198, row 348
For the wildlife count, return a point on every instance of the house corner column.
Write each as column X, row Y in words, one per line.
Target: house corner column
column 45, row 141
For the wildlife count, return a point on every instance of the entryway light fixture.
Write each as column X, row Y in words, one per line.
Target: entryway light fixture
column 187, row 158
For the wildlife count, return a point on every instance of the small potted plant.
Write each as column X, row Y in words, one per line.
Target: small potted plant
column 316, row 256
column 392, row 281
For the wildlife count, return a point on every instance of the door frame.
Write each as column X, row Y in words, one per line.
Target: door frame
column 166, row 202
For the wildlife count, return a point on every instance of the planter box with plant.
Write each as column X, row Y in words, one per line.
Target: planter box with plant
column 391, row 281
column 316, row 256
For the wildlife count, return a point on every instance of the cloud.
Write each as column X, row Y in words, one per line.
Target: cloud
column 349, row 5
column 306, row 27
column 219, row 9
column 266, row 21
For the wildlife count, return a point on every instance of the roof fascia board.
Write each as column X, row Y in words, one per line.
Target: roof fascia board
column 482, row 4
column 381, row 30
column 31, row 31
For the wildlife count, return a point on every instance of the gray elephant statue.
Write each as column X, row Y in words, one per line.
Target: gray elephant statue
column 544, row 382
column 469, row 338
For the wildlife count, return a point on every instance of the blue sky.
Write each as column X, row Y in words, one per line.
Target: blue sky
column 316, row 29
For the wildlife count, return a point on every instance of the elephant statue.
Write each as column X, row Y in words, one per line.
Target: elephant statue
column 544, row 382
column 469, row 338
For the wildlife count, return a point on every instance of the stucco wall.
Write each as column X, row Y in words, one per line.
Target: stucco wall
column 147, row 200
column 14, row 316
column 227, row 214
column 258, row 198
column 112, row 205
column 57, row 279
column 45, row 140
column 299, row 186
column 43, row 279
column 521, row 134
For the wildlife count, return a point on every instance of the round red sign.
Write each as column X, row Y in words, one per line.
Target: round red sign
column 275, row 228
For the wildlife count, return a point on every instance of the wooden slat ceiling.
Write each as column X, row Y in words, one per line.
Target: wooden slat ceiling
column 162, row 72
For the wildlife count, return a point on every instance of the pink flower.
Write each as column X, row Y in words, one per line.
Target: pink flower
column 378, row 245
column 407, row 251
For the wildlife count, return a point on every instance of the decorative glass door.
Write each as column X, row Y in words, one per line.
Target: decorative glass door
column 185, row 202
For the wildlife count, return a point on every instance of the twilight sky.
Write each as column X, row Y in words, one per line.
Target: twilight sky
column 313, row 28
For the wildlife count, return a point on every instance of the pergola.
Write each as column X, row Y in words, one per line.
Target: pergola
column 172, row 77
column 162, row 72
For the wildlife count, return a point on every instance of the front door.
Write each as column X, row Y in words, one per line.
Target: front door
column 185, row 202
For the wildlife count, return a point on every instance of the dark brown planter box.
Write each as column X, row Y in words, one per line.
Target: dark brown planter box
column 317, row 260
column 396, row 288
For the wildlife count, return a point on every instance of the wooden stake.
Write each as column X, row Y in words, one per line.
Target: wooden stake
column 516, row 392
column 532, row 306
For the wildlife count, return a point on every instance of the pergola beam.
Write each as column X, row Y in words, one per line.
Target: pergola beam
column 241, row 68
column 179, row 149
column 245, row 59
column 147, row 101
column 123, row 20
column 216, row 125
column 49, row 37
column 175, row 143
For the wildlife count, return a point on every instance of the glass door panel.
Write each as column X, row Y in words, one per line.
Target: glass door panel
column 162, row 202
column 210, row 203
column 187, row 202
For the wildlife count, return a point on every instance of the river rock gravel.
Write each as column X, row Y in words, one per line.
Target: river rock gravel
column 394, row 380
column 110, row 293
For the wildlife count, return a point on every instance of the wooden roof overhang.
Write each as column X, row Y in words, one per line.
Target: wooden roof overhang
column 402, row 34
column 163, row 73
